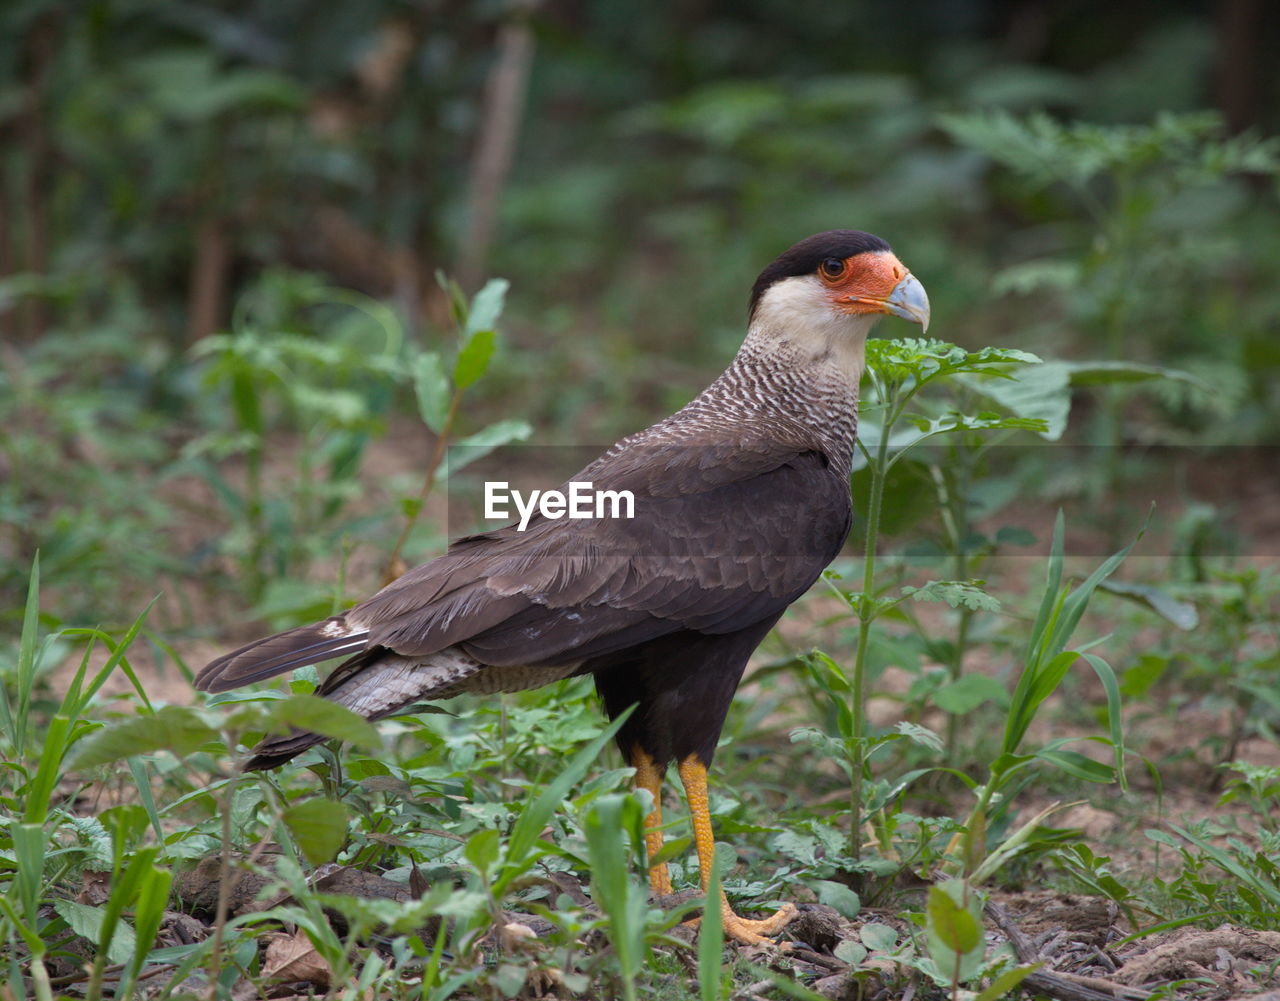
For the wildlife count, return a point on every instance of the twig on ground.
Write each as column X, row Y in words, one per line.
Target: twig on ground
column 1063, row 986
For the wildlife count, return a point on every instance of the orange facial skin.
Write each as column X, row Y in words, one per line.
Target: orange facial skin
column 874, row 282
column 865, row 282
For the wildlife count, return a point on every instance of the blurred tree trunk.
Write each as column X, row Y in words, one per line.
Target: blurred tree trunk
column 211, row 244
column 495, row 148
column 1239, row 28
column 207, row 295
column 8, row 319
column 41, row 44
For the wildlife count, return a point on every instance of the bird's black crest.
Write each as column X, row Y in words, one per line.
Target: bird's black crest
column 805, row 256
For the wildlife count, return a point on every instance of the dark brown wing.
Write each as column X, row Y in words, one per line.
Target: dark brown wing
column 725, row 534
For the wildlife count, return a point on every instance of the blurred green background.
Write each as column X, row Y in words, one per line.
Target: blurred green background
column 1085, row 180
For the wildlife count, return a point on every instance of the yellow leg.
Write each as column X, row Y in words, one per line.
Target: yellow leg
column 649, row 776
column 694, row 776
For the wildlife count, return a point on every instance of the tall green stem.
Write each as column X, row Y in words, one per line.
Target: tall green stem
column 256, row 511
column 866, row 614
column 960, row 570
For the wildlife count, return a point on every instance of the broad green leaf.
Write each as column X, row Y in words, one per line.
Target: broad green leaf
column 486, row 307
column 837, row 895
column 87, row 921
column 509, row 978
column 931, row 427
column 1014, row 535
column 192, row 86
column 311, row 712
column 173, row 728
column 801, row 847
column 851, row 952
column 473, row 359
column 476, row 446
column 967, row 693
column 953, row 930
column 921, row 735
column 878, row 937
column 1162, row 838
column 951, row 919
column 1143, row 673
column 1102, row 373
column 431, row 387
column 1182, row 614
column 482, row 849
column 1041, row 392
column 828, row 675
column 319, row 826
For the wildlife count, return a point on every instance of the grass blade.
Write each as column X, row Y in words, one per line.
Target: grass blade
column 711, row 939
column 27, row 656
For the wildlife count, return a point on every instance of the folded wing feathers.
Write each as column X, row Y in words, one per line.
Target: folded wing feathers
column 282, row 652
column 556, row 594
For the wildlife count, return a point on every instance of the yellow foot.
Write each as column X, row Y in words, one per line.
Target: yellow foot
column 750, row 931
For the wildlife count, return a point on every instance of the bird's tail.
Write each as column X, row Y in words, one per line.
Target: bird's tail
column 276, row 751
column 282, row 652
column 272, row 655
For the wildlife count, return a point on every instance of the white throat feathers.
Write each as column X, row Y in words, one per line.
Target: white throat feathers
column 795, row 322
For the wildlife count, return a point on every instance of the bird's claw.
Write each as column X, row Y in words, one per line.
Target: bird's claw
column 752, row 931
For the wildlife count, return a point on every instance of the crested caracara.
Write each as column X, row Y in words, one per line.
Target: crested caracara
column 740, row 500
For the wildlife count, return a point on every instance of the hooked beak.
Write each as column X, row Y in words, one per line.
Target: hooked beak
column 908, row 300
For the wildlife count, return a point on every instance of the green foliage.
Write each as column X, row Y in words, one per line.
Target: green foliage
column 440, row 399
column 318, row 827
column 81, row 455
column 897, row 373
column 303, row 359
column 1228, row 876
column 1259, row 786
column 1150, row 244
column 1178, row 150
column 613, row 884
column 953, row 931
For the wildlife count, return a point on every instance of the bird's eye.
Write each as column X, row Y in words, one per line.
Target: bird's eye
column 833, row 267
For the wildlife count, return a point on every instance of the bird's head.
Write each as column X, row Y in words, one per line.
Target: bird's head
column 821, row 296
